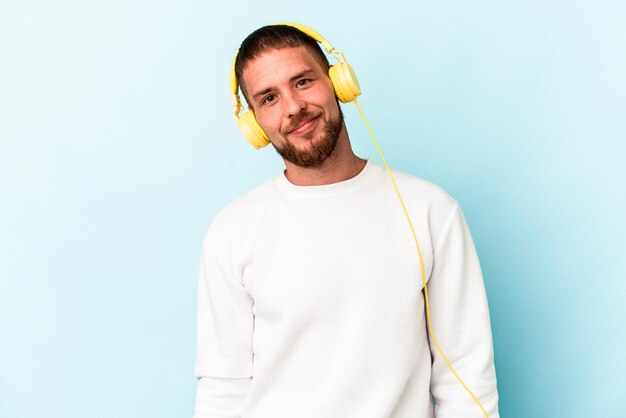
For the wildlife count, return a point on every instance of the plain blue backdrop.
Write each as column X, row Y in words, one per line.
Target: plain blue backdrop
column 117, row 147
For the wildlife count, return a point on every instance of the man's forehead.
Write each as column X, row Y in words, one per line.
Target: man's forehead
column 268, row 64
column 276, row 55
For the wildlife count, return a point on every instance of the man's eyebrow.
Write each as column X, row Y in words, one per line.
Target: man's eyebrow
column 292, row 79
column 262, row 92
column 301, row 74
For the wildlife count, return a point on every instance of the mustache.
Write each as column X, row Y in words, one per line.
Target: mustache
column 299, row 120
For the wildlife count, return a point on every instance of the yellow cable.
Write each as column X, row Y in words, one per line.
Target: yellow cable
column 419, row 254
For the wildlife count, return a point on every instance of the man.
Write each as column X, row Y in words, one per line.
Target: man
column 310, row 298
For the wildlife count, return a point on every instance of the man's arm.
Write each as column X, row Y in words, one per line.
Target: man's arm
column 221, row 398
column 460, row 320
column 224, row 335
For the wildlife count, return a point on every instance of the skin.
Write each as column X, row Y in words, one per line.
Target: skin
column 294, row 102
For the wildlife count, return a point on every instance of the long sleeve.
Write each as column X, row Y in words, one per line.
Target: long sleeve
column 223, row 398
column 224, row 333
column 460, row 319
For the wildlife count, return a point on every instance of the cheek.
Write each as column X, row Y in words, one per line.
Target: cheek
column 264, row 118
column 269, row 121
column 330, row 100
column 333, row 106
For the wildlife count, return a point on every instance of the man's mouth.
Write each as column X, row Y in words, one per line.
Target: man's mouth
column 304, row 126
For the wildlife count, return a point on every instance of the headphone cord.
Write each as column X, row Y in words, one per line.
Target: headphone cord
column 419, row 254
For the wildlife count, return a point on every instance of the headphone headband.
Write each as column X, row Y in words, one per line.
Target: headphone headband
column 312, row 33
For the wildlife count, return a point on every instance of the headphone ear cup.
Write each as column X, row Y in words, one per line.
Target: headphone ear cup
column 344, row 81
column 252, row 131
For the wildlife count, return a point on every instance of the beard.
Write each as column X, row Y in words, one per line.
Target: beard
column 319, row 151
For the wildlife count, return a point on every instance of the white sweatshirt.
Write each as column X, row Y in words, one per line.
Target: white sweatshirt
column 310, row 305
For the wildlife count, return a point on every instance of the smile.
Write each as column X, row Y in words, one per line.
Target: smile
column 305, row 127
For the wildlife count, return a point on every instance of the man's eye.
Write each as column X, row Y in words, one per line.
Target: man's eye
column 268, row 99
column 303, row 82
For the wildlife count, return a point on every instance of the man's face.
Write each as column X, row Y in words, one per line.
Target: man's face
column 295, row 104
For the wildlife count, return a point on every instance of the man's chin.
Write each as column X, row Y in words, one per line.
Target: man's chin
column 311, row 149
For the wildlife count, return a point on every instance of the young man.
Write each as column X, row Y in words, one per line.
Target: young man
column 311, row 302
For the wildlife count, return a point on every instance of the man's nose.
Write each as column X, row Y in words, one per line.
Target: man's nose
column 293, row 104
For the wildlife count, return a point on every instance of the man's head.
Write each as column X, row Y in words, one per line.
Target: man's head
column 283, row 74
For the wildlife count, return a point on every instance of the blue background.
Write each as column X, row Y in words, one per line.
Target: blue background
column 117, row 147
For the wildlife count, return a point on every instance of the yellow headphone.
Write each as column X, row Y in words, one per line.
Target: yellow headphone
column 341, row 75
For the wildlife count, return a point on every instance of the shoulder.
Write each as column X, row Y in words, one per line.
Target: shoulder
column 418, row 191
column 244, row 213
column 431, row 208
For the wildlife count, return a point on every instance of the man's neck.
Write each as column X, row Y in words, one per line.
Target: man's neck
column 342, row 165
